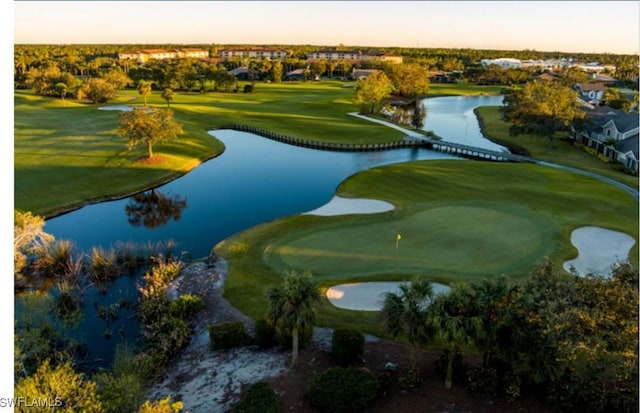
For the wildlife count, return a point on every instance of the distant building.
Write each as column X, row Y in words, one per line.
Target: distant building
column 145, row 55
column 263, row 54
column 351, row 55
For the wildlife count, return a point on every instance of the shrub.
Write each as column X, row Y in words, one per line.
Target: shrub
column 186, row 306
column 264, row 333
column 409, row 378
column 248, row 89
column 259, row 398
column 483, row 381
column 347, row 346
column 224, row 336
column 342, row 389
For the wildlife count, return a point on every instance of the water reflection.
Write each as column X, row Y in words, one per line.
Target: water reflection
column 153, row 209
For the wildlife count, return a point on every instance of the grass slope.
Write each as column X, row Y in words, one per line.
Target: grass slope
column 69, row 154
column 561, row 151
column 459, row 220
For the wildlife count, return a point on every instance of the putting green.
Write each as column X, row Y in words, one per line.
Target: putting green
column 440, row 240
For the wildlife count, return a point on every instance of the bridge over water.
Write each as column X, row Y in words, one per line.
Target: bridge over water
column 457, row 149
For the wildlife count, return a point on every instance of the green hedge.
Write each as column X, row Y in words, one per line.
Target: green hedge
column 186, row 306
column 259, row 398
column 342, row 390
column 347, row 346
column 224, row 336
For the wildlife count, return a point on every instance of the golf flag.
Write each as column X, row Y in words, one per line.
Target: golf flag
column 398, row 237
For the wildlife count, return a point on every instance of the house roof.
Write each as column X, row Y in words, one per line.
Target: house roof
column 625, row 121
column 591, row 86
column 629, row 145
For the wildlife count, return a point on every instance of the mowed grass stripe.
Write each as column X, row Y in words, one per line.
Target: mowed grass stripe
column 459, row 220
column 455, row 242
column 68, row 153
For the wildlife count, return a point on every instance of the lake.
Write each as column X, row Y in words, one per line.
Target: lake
column 255, row 180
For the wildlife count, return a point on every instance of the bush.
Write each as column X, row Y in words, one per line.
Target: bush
column 186, row 306
column 248, row 89
column 342, row 389
column 347, row 346
column 259, row 398
column 264, row 334
column 409, row 378
column 224, row 336
column 483, row 381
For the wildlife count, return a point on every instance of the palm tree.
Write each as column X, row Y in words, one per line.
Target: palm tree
column 449, row 316
column 144, row 88
column 404, row 313
column 490, row 304
column 292, row 307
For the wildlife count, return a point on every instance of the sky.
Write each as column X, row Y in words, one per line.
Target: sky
column 568, row 26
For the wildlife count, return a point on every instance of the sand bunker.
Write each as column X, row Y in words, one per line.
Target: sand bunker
column 343, row 206
column 367, row 296
column 124, row 108
column 599, row 250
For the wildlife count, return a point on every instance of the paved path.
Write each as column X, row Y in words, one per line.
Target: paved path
column 613, row 182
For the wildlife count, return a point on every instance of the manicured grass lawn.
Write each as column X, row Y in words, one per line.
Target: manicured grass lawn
column 561, row 151
column 459, row 220
column 462, row 88
column 68, row 155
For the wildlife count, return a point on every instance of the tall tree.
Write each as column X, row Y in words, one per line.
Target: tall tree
column 142, row 125
column 404, row 313
column 292, row 307
column 97, row 90
column 541, row 108
column 144, row 88
column 61, row 89
column 409, row 80
column 373, row 90
column 167, row 95
column 449, row 317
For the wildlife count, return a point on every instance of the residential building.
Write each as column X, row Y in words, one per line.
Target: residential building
column 145, row 55
column 271, row 54
column 590, row 92
column 351, row 55
column 613, row 133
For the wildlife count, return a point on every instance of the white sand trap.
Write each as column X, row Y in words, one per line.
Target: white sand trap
column 599, row 250
column 368, row 296
column 343, row 206
column 124, row 108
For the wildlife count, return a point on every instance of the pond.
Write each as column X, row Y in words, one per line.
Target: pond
column 255, row 180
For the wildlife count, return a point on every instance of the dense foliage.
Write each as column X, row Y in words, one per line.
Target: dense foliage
column 347, row 346
column 342, row 390
column 225, row 336
column 259, row 398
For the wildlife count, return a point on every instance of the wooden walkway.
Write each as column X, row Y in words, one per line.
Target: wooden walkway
column 456, row 149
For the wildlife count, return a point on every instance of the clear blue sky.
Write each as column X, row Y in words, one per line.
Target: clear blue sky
column 581, row 26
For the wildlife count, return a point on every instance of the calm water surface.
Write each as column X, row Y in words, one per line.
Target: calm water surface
column 256, row 180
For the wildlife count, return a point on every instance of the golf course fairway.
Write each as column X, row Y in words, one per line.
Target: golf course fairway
column 457, row 220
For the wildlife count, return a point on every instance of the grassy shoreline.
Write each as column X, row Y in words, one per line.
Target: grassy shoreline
column 505, row 218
